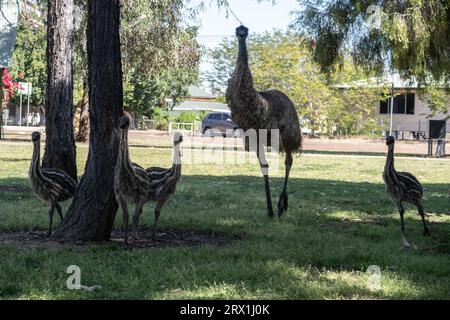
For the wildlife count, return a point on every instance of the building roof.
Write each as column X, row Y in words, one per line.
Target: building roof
column 201, row 106
column 196, row 92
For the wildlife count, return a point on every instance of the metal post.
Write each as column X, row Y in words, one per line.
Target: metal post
column 28, row 108
column 430, row 147
column 392, row 110
column 20, row 110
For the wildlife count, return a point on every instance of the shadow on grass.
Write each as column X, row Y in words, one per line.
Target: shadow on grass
column 325, row 194
column 361, row 153
column 332, row 232
column 14, row 159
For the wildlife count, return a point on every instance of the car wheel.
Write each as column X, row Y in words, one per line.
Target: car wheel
column 208, row 132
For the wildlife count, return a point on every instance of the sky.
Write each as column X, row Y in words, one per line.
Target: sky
column 258, row 17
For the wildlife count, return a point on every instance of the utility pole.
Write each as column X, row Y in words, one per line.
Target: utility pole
column 392, row 110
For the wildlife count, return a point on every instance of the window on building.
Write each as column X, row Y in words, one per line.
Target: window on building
column 410, row 103
column 403, row 104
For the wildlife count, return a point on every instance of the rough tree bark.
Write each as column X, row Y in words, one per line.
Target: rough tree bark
column 91, row 215
column 60, row 149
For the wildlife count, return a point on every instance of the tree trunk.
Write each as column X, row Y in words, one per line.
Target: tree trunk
column 81, row 119
column 60, row 145
column 91, row 215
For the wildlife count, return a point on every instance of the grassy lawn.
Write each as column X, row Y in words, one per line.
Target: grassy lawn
column 340, row 221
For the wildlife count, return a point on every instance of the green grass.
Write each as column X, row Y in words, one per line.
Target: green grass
column 340, row 221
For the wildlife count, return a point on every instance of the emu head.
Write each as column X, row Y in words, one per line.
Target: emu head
column 390, row 141
column 36, row 137
column 242, row 32
column 124, row 122
column 177, row 138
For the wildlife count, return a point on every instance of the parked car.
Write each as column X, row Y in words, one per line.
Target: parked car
column 217, row 123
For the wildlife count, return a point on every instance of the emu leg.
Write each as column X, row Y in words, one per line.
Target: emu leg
column 265, row 171
column 426, row 232
column 136, row 216
column 50, row 215
column 401, row 210
column 157, row 214
column 58, row 208
column 124, row 207
column 283, row 202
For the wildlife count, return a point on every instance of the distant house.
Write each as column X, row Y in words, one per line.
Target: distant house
column 411, row 113
column 200, row 100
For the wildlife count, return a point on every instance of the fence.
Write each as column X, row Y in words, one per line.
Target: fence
column 146, row 124
column 186, row 127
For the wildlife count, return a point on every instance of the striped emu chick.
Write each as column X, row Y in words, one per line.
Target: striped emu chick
column 131, row 184
column 51, row 185
column 402, row 187
column 163, row 182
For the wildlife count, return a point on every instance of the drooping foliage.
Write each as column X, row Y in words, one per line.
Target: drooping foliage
column 412, row 37
column 160, row 52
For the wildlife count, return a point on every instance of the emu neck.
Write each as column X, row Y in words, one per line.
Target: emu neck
column 124, row 157
column 35, row 168
column 242, row 63
column 243, row 74
column 390, row 160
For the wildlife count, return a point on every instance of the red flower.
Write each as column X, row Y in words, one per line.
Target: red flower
column 9, row 83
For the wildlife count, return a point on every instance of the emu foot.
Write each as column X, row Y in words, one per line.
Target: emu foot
column 406, row 245
column 426, row 233
column 282, row 204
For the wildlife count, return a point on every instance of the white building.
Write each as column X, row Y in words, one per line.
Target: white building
column 411, row 113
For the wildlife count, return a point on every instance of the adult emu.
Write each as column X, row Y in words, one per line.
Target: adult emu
column 51, row 185
column 131, row 184
column 402, row 187
column 269, row 110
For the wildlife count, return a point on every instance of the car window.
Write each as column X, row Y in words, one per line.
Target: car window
column 226, row 116
column 216, row 116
